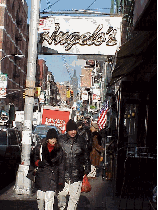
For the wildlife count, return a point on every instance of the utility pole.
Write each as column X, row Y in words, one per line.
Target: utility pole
column 23, row 184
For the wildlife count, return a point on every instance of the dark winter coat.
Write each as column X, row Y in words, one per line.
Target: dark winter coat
column 52, row 174
column 96, row 150
column 76, row 157
column 86, row 133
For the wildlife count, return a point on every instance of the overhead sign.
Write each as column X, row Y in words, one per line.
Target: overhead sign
column 80, row 35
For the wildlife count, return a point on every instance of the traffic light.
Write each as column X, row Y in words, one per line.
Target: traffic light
column 68, row 93
column 12, row 112
column 24, row 95
column 72, row 93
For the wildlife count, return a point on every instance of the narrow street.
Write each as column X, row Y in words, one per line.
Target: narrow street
column 92, row 64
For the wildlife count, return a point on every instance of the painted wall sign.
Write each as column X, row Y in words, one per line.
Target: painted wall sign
column 81, row 35
column 57, row 118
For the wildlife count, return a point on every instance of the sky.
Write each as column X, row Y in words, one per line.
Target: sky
column 56, row 63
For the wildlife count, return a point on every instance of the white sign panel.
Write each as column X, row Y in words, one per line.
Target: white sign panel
column 84, row 96
column 41, row 98
column 3, row 85
column 81, row 35
column 96, row 95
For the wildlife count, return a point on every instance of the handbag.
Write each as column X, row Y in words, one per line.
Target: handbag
column 32, row 171
column 32, row 174
column 86, row 187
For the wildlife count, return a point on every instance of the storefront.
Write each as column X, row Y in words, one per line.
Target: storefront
column 135, row 82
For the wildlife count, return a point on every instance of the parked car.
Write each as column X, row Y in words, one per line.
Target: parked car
column 40, row 132
column 10, row 148
column 4, row 120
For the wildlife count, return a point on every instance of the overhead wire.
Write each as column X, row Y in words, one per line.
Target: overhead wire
column 91, row 4
column 50, row 5
column 67, row 66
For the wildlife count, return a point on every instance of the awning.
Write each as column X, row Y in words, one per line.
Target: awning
column 132, row 54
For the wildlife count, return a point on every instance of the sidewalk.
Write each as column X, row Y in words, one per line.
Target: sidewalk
column 101, row 197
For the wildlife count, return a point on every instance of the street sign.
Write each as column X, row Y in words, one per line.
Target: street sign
column 80, row 35
column 3, row 85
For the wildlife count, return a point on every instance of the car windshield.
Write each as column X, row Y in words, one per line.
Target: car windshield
column 4, row 118
column 3, row 138
column 41, row 130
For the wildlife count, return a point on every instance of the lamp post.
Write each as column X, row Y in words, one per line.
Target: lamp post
column 23, row 184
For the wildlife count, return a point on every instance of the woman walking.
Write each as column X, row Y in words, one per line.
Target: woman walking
column 97, row 150
column 50, row 174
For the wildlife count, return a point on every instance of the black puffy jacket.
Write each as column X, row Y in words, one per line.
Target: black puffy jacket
column 52, row 174
column 76, row 157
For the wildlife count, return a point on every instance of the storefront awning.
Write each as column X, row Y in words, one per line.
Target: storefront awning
column 132, row 54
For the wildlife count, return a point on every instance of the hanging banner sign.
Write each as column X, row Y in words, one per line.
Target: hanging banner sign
column 80, row 35
column 84, row 96
column 96, row 95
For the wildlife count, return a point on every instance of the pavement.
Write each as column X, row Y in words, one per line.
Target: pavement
column 101, row 197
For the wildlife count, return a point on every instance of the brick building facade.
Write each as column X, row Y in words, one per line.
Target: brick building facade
column 41, row 74
column 62, row 91
column 14, row 41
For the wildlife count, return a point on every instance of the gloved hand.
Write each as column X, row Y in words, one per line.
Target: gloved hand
column 60, row 187
column 86, row 172
column 41, row 164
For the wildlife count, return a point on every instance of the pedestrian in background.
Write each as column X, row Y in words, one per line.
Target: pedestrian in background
column 84, row 131
column 51, row 167
column 97, row 151
column 76, row 165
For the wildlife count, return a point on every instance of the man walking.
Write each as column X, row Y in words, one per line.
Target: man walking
column 77, row 164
